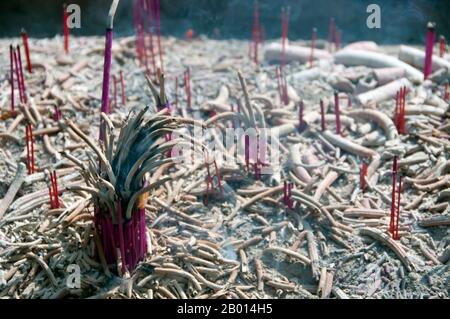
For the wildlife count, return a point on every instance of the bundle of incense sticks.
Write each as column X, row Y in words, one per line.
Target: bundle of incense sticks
column 313, row 45
column 27, row 50
column 363, row 176
column 187, row 86
column 322, row 116
column 429, row 44
column 284, row 34
column 400, row 106
column 29, row 141
column 53, row 191
column 331, row 34
column 282, row 86
column 11, row 75
column 255, row 32
column 338, row 113
column 122, row 88
column 66, row 28
column 107, row 64
column 57, row 114
column 287, row 194
column 442, row 46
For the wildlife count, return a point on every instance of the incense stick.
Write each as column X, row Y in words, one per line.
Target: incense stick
column 27, row 50
column 322, row 115
column 331, row 35
column 22, row 80
column 19, row 83
column 65, row 29
column 256, row 31
column 313, row 45
column 428, row 64
column 338, row 113
column 107, row 63
column 11, row 75
column 122, row 87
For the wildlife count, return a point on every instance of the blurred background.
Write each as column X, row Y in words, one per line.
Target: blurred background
column 402, row 21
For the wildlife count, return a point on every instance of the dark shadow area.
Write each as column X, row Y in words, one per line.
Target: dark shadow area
column 402, row 21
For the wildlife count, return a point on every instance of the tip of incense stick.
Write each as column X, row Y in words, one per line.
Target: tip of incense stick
column 431, row 25
column 112, row 12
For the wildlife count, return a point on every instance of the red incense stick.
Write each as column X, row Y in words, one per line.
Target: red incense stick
column 66, row 29
column 313, row 45
column 22, row 80
column 338, row 113
column 395, row 234
column 122, row 88
column 50, row 195
column 363, row 176
column 394, row 179
column 11, row 75
column 322, row 115
column 429, row 44
column 27, row 141
column 19, row 83
column 27, row 50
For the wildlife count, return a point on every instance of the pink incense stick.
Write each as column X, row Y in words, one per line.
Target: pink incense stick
column 19, row 83
column 262, row 35
column 158, row 31
column 11, row 75
column 430, row 37
column 322, row 115
column 337, row 40
column 337, row 111
column 442, row 46
column 122, row 88
column 394, row 180
column 27, row 50
column 300, row 116
column 284, row 35
column 395, row 235
column 331, row 35
column 247, row 152
column 27, row 141
column 150, row 35
column 115, row 90
column 107, row 63
column 313, row 45
column 66, row 29
column 256, row 31
column 22, row 80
